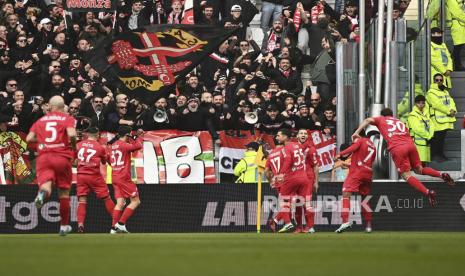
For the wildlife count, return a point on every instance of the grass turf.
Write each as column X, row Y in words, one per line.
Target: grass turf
column 379, row 253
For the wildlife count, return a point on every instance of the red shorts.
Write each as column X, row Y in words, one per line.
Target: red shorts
column 88, row 182
column 294, row 186
column 55, row 168
column 405, row 157
column 124, row 188
column 357, row 184
column 308, row 191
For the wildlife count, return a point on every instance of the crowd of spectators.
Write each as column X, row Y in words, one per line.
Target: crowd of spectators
column 240, row 86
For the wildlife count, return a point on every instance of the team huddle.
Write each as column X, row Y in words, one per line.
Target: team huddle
column 56, row 138
column 291, row 169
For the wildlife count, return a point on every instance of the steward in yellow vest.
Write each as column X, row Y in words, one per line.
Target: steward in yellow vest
column 247, row 170
column 421, row 128
column 441, row 62
column 455, row 17
column 442, row 111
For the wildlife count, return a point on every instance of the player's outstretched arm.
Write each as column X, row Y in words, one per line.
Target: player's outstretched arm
column 31, row 137
column 363, row 125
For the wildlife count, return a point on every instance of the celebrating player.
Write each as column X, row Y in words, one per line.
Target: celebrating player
column 311, row 167
column 403, row 151
column 55, row 134
column 120, row 160
column 359, row 179
column 293, row 174
column 90, row 154
column 272, row 169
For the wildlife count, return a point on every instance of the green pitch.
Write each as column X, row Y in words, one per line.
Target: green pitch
column 352, row 253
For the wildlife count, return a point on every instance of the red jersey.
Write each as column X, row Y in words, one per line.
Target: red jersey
column 275, row 160
column 120, row 157
column 363, row 155
column 393, row 130
column 310, row 154
column 51, row 134
column 294, row 160
column 90, row 155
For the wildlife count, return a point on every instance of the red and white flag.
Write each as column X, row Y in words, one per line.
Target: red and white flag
column 188, row 17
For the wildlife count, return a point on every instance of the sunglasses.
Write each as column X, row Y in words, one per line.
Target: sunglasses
column 98, row 101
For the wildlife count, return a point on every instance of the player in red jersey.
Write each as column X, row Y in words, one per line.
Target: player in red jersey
column 312, row 170
column 120, row 159
column 273, row 167
column 359, row 179
column 90, row 154
column 55, row 134
column 292, row 173
column 403, row 152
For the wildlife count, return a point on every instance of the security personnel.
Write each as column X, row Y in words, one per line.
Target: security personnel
column 442, row 111
column 247, row 170
column 421, row 128
column 441, row 62
column 455, row 16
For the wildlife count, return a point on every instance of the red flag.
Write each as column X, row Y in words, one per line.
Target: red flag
column 297, row 20
column 188, row 17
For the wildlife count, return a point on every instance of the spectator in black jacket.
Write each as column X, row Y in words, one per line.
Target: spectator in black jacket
column 287, row 78
column 137, row 17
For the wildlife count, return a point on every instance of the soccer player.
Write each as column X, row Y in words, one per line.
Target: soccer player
column 273, row 167
column 359, row 179
column 403, row 151
column 55, row 134
column 312, row 170
column 293, row 174
column 120, row 159
column 90, row 154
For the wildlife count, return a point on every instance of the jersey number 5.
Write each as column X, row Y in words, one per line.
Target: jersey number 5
column 51, row 128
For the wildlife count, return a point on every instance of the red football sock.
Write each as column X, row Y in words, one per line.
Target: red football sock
column 431, row 172
column 81, row 212
column 366, row 212
column 126, row 215
column 309, row 217
column 64, row 211
column 116, row 216
column 284, row 213
column 298, row 215
column 109, row 205
column 416, row 184
column 345, row 209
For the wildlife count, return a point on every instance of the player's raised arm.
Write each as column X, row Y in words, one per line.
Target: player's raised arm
column 363, row 125
column 349, row 150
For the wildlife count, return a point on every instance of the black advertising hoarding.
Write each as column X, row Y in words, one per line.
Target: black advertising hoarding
column 90, row 5
column 232, row 208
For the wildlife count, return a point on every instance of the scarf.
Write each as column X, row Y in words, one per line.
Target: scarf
column 174, row 18
column 297, row 20
column 316, row 10
column 274, row 42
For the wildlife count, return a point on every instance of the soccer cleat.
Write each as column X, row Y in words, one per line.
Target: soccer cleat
column 344, row 227
column 287, row 228
column 81, row 229
column 113, row 230
column 448, row 179
column 40, row 198
column 121, row 229
column 309, row 230
column 432, row 198
column 65, row 229
column 273, row 225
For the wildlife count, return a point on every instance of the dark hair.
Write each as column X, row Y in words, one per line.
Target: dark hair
column 343, row 147
column 438, row 74
column 286, row 131
column 387, row 112
column 420, row 98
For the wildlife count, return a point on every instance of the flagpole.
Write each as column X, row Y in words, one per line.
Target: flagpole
column 114, row 19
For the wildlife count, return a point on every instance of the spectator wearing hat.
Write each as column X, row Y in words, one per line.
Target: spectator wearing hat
column 442, row 111
column 246, row 169
column 235, row 20
column 272, row 120
column 286, row 77
column 421, row 128
column 441, row 61
column 306, row 118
